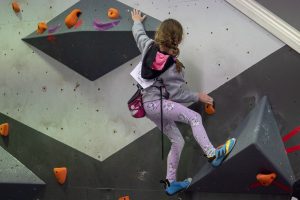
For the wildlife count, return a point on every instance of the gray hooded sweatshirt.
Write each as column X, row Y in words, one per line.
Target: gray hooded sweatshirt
column 175, row 87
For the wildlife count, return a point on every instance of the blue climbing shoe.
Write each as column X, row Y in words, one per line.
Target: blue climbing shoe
column 223, row 151
column 178, row 186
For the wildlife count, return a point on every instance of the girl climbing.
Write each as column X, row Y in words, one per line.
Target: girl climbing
column 159, row 62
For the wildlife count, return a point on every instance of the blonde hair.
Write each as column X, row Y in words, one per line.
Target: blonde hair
column 169, row 35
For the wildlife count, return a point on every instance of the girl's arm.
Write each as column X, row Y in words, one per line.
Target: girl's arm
column 139, row 34
column 178, row 90
column 177, row 87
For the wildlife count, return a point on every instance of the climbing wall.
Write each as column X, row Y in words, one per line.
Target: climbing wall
column 136, row 170
column 236, row 99
column 90, row 116
column 86, row 125
column 259, row 150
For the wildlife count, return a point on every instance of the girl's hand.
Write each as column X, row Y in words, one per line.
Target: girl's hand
column 204, row 98
column 136, row 16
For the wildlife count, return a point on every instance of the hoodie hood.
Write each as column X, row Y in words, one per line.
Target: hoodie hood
column 156, row 62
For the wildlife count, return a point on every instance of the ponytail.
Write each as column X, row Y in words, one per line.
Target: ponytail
column 168, row 36
column 179, row 65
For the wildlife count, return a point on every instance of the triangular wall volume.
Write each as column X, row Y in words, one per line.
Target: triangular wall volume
column 259, row 149
column 90, row 52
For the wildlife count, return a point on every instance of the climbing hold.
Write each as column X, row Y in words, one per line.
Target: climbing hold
column 100, row 26
column 16, row 7
column 42, row 27
column 60, row 174
column 72, row 18
column 4, row 129
column 124, row 198
column 210, row 109
column 266, row 179
column 78, row 24
column 113, row 13
column 54, row 28
column 51, row 38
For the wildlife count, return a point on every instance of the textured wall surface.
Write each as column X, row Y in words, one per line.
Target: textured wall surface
column 92, row 117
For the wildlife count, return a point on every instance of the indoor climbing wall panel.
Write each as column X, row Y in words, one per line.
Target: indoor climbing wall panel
column 235, row 99
column 95, row 44
column 259, row 149
column 16, row 179
column 127, row 172
column 92, row 117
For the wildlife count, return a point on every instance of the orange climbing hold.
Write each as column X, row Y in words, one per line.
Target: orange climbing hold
column 266, row 179
column 60, row 174
column 124, row 198
column 113, row 13
column 210, row 109
column 72, row 18
column 16, row 7
column 4, row 129
column 42, row 27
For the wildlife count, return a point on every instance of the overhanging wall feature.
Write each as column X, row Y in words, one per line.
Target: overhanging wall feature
column 96, row 44
column 259, row 149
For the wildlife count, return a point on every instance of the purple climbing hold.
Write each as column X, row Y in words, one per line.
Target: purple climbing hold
column 54, row 28
column 100, row 26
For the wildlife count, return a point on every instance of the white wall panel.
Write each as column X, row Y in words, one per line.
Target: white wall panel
column 220, row 43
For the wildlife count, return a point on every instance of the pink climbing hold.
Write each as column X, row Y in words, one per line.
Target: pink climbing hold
column 78, row 24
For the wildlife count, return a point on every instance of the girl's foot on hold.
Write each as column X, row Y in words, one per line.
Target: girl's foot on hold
column 177, row 186
column 223, row 151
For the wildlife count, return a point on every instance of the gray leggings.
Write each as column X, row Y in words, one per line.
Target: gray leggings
column 172, row 112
